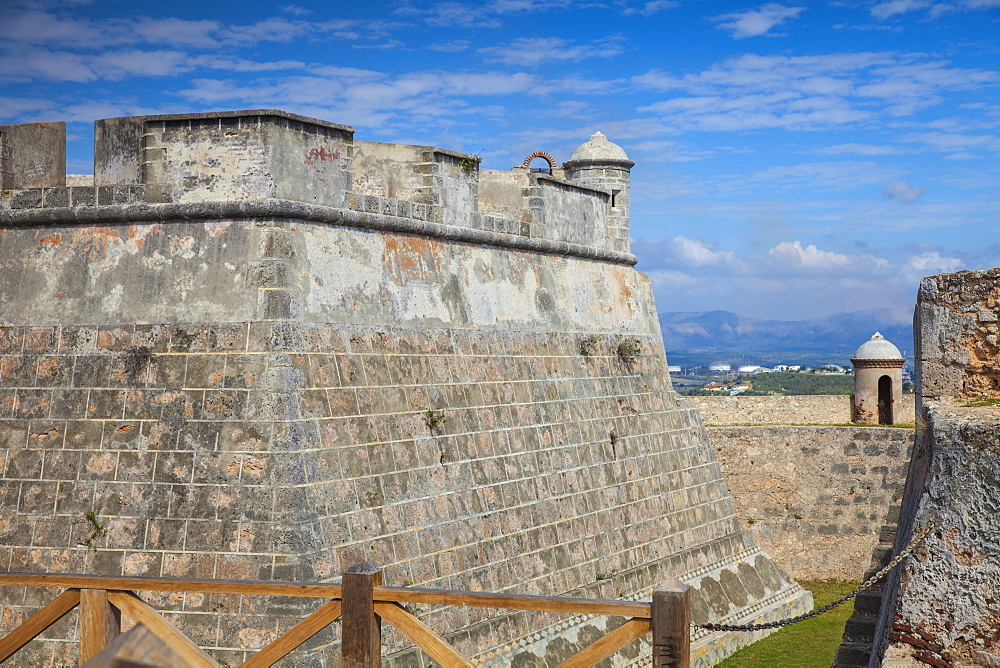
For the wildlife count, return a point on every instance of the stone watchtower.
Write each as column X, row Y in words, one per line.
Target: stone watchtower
column 604, row 165
column 878, row 382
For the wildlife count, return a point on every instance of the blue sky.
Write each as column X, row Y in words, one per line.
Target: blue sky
column 793, row 159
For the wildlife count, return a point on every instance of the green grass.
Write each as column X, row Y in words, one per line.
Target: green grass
column 809, row 644
column 901, row 425
column 981, row 402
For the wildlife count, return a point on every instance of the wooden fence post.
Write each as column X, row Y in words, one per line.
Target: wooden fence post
column 671, row 612
column 361, row 639
column 100, row 623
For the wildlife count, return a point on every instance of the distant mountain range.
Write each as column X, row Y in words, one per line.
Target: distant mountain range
column 729, row 337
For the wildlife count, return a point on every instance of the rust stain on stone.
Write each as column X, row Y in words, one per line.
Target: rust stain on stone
column 94, row 241
column 321, row 154
column 50, row 240
column 411, row 258
column 217, row 228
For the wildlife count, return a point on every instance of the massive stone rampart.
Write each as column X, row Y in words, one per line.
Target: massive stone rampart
column 942, row 607
column 207, row 370
column 816, row 498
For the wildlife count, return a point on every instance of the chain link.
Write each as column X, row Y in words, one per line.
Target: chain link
column 830, row 606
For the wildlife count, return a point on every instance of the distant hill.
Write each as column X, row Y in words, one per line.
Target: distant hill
column 729, row 337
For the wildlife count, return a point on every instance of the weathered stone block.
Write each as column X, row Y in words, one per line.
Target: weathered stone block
column 32, row 155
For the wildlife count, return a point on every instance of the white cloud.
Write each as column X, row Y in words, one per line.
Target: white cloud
column 928, row 264
column 756, row 22
column 177, row 32
column 537, row 50
column 651, row 7
column 884, row 10
column 831, row 175
column 295, row 10
column 751, row 92
column 950, row 142
column 859, row 149
column 901, row 191
column 451, row 14
column 792, row 279
column 394, row 44
column 698, row 253
column 452, row 46
column 792, row 256
column 349, row 94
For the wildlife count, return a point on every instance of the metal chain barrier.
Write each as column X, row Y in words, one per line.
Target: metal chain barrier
column 830, row 606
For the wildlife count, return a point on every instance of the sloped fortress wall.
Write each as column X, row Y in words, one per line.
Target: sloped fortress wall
column 816, row 498
column 273, row 380
column 943, row 607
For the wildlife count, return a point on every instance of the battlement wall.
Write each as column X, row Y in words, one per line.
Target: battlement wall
column 269, row 154
column 778, row 410
column 958, row 338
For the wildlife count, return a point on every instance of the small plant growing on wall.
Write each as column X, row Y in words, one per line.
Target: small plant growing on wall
column 434, row 420
column 97, row 529
column 470, row 163
column 588, row 346
column 628, row 352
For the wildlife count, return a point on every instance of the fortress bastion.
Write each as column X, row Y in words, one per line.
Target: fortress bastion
column 253, row 347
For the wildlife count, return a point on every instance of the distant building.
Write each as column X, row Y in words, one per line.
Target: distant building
column 673, row 370
column 720, row 367
column 749, row 368
column 878, row 382
column 786, row 367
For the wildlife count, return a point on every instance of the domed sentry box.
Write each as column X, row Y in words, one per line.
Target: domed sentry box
column 878, row 381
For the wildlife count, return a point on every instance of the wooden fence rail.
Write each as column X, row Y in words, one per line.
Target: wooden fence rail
column 360, row 600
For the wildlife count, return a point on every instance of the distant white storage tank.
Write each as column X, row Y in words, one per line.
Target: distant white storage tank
column 718, row 366
column 672, row 369
column 749, row 368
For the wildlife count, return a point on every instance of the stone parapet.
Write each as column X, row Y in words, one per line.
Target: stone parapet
column 32, row 155
column 958, row 335
column 270, row 154
column 787, row 410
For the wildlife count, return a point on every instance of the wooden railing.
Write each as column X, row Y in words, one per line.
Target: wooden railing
column 359, row 600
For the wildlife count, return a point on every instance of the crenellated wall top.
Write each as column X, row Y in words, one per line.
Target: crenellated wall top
column 269, row 154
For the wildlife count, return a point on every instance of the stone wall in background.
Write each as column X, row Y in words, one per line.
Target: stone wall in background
column 816, row 498
column 942, row 608
column 799, row 409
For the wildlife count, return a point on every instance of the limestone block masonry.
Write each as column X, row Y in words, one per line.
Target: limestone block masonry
column 816, row 498
column 942, row 608
column 224, row 360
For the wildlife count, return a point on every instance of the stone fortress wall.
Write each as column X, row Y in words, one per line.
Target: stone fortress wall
column 785, row 410
column 819, row 499
column 252, row 347
column 942, row 607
